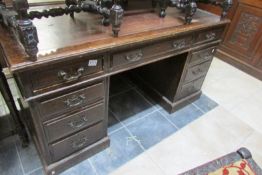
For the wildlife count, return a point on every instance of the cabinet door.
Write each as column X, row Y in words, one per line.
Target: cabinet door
column 245, row 32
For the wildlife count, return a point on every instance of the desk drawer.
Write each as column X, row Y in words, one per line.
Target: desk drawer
column 77, row 142
column 202, row 56
column 71, row 101
column 75, row 122
column 59, row 75
column 139, row 55
column 208, row 35
column 197, row 71
column 190, row 88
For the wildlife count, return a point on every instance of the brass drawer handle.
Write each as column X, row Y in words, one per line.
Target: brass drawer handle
column 179, row 44
column 211, row 36
column 67, row 77
column 75, row 101
column 134, row 56
column 79, row 143
column 78, row 123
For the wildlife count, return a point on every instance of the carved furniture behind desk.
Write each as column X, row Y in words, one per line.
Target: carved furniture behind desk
column 67, row 87
column 242, row 46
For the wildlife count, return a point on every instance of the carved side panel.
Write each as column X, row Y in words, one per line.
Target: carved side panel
column 245, row 31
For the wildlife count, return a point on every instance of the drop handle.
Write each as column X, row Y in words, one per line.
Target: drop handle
column 75, row 124
column 134, row 56
column 68, row 77
column 75, row 101
column 80, row 143
column 211, row 36
column 179, row 44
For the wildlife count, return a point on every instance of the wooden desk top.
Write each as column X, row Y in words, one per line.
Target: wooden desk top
column 62, row 38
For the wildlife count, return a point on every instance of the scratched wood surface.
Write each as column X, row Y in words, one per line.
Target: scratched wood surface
column 63, row 38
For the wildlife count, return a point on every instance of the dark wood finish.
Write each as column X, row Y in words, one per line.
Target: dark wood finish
column 74, row 122
column 76, row 142
column 201, row 56
column 242, row 45
column 51, row 108
column 174, row 79
column 19, row 126
column 190, row 88
column 208, row 35
column 166, row 78
column 59, row 75
column 145, row 53
column 216, row 10
column 197, row 71
column 79, row 40
column 77, row 157
column 164, row 49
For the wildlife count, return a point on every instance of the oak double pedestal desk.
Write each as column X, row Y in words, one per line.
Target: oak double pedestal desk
column 67, row 88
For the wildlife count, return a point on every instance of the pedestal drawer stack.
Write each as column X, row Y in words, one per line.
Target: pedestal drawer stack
column 198, row 65
column 70, row 110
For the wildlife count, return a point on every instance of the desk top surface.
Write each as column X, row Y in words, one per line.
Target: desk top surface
column 62, row 38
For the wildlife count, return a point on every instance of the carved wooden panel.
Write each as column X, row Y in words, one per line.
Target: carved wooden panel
column 245, row 31
column 242, row 37
column 242, row 45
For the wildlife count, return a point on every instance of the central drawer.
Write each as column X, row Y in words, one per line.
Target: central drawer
column 75, row 100
column 75, row 122
column 77, row 142
column 139, row 55
column 208, row 35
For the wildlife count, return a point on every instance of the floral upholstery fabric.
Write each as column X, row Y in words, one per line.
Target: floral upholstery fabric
column 238, row 168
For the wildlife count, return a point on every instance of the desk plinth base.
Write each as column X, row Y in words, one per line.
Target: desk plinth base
column 70, row 161
column 172, row 107
column 169, row 87
column 169, row 106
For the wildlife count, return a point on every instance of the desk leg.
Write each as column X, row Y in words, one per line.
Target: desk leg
column 7, row 95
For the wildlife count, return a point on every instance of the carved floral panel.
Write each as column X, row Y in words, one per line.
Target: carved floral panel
column 245, row 31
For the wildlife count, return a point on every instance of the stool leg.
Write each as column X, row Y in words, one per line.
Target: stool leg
column 7, row 95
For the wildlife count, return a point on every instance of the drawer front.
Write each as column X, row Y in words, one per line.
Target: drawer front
column 77, row 142
column 190, row 88
column 197, row 71
column 68, row 102
column 139, row 55
column 75, row 122
column 208, row 35
column 202, row 56
column 59, row 75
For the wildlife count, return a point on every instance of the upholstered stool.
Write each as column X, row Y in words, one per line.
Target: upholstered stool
column 236, row 163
